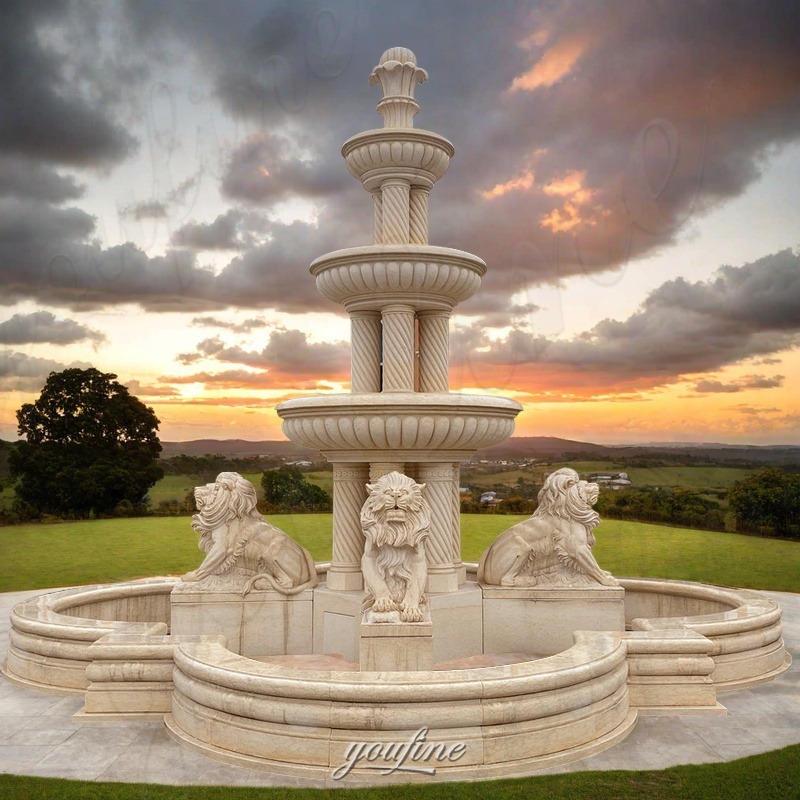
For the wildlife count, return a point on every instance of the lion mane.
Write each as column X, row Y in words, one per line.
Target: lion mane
column 554, row 546
column 241, row 546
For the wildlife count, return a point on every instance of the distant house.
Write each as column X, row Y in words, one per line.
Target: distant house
column 301, row 463
column 611, row 480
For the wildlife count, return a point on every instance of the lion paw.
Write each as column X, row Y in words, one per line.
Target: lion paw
column 383, row 604
column 409, row 613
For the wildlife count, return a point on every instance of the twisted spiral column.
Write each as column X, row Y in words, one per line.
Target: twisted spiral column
column 434, row 350
column 398, row 348
column 442, row 572
column 365, row 351
column 349, row 495
column 418, row 215
column 377, row 218
column 394, row 212
column 458, row 564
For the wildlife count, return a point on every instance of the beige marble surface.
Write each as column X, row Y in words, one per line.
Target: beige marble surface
column 39, row 737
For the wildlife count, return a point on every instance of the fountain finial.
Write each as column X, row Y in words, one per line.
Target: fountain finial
column 398, row 73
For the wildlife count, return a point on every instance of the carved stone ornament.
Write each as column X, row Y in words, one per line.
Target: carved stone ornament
column 243, row 551
column 396, row 522
column 554, row 546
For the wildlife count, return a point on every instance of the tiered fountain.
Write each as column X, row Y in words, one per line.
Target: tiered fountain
column 396, row 655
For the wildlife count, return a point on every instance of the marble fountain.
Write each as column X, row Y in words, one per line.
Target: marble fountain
column 396, row 661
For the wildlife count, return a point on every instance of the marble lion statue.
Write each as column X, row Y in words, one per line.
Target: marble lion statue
column 554, row 546
column 243, row 551
column 396, row 522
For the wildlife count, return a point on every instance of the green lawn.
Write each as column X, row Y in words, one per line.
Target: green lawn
column 687, row 477
column 769, row 776
column 43, row 556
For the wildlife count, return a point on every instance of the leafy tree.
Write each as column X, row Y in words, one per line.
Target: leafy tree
column 767, row 502
column 90, row 446
column 286, row 489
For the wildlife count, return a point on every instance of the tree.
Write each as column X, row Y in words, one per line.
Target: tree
column 767, row 502
column 90, row 446
column 286, row 489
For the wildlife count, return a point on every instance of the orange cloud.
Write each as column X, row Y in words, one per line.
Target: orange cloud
column 523, row 182
column 556, row 62
column 569, row 215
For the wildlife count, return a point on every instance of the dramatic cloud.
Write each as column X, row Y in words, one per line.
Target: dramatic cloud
column 263, row 170
column 47, row 114
column 233, row 230
column 146, row 209
column 246, row 326
column 143, row 390
column 287, row 353
column 27, row 178
column 682, row 328
column 23, row 373
column 42, row 326
column 709, row 386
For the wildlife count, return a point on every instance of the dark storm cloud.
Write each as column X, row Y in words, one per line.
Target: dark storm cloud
column 26, row 178
column 681, row 328
column 42, row 326
column 44, row 114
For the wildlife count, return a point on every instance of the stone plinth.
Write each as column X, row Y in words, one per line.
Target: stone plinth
column 395, row 646
column 542, row 621
column 260, row 623
column 456, row 616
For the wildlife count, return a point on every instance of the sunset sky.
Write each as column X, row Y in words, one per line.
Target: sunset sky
column 630, row 172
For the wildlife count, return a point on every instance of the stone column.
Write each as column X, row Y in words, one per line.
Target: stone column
column 418, row 215
column 349, row 495
column 365, row 351
column 440, row 546
column 377, row 218
column 398, row 348
column 394, row 216
column 458, row 564
column 434, row 350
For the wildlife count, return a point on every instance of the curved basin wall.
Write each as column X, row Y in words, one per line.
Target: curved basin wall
column 51, row 634
column 744, row 626
column 303, row 721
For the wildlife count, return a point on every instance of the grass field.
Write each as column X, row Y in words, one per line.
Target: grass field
column 769, row 776
column 43, row 556
column 687, row 477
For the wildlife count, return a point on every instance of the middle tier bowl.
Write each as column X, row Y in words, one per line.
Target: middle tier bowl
column 398, row 426
column 375, row 275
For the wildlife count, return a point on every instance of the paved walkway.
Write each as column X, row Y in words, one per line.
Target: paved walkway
column 38, row 736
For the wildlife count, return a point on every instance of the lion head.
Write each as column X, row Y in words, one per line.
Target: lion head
column 229, row 497
column 395, row 512
column 566, row 496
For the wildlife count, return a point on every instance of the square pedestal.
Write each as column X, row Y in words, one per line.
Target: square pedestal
column 261, row 623
column 396, row 646
column 542, row 621
column 456, row 617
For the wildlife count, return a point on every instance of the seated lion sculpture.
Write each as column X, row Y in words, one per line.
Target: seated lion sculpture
column 396, row 522
column 554, row 546
column 243, row 550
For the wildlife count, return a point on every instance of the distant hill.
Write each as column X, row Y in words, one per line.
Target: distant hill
column 236, row 447
column 525, row 447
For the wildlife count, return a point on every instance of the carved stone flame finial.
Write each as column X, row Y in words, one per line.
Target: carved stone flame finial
column 398, row 73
